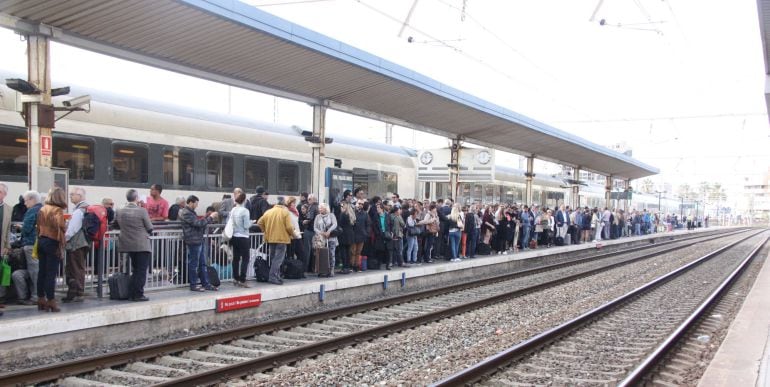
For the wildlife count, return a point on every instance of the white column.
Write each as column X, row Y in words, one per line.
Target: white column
column 454, row 169
column 39, row 74
column 316, row 168
column 530, row 174
column 576, row 188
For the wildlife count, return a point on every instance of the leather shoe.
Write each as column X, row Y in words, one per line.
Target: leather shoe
column 67, row 300
column 276, row 282
column 139, row 299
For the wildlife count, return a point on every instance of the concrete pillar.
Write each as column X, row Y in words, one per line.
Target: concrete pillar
column 576, row 188
column 316, row 168
column 454, row 167
column 530, row 174
column 608, row 192
column 39, row 74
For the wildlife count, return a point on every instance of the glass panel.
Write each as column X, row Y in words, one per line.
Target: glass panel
column 477, row 192
column 219, row 171
column 288, row 178
column 255, row 173
column 465, row 194
column 13, row 152
column 178, row 167
column 129, row 163
column 77, row 155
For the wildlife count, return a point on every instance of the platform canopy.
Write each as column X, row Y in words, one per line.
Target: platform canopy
column 234, row 43
column 763, row 8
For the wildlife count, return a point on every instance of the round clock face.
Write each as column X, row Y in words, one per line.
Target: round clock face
column 426, row 158
column 484, row 157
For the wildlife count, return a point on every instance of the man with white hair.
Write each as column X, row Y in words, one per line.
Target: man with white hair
column 5, row 221
column 77, row 248
column 28, row 238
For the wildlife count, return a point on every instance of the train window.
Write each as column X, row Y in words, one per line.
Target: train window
column 13, row 148
column 489, row 194
column 129, row 163
column 476, row 193
column 178, row 167
column 288, row 177
column 464, row 197
column 255, row 173
column 442, row 191
column 75, row 154
column 219, row 171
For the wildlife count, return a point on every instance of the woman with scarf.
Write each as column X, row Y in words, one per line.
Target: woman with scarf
column 325, row 224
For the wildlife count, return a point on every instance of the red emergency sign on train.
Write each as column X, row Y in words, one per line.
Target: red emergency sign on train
column 240, row 302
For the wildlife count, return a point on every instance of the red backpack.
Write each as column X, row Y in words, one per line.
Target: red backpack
column 95, row 223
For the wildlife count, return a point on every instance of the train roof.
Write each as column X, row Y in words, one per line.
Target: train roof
column 139, row 103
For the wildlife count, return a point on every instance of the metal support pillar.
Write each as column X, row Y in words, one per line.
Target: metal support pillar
column 530, row 174
column 576, row 188
column 454, row 167
column 316, row 169
column 608, row 192
column 627, row 202
column 388, row 133
column 39, row 74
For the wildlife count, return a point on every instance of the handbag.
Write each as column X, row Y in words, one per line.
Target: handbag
column 77, row 241
column 227, row 233
column 34, row 250
column 319, row 241
column 5, row 280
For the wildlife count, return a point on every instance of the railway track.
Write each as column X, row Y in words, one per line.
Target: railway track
column 622, row 341
column 214, row 357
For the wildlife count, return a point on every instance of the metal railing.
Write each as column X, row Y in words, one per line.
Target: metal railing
column 168, row 260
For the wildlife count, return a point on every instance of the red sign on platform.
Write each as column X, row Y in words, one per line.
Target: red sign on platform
column 45, row 145
column 240, row 302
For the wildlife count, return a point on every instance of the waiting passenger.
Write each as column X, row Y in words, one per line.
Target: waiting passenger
column 173, row 211
column 156, row 206
column 276, row 224
column 325, row 225
column 108, row 205
column 135, row 228
column 193, row 230
column 50, row 247
column 6, row 213
column 28, row 238
column 77, row 247
column 240, row 240
column 295, row 248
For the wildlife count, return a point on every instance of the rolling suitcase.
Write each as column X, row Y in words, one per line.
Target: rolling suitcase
column 322, row 259
column 261, row 269
column 568, row 239
column 119, row 286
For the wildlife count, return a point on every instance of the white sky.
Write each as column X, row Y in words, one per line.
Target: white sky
column 682, row 82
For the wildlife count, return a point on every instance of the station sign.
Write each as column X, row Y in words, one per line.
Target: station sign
column 475, row 165
column 239, row 302
column 45, row 145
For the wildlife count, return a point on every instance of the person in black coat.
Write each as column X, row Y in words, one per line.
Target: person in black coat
column 360, row 234
column 346, row 227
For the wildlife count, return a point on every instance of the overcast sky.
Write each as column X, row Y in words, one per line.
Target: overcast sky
column 680, row 81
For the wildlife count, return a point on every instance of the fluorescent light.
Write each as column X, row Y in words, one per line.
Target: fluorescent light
column 21, row 140
column 126, row 151
column 78, row 146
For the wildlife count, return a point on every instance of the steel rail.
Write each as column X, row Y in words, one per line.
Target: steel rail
column 493, row 363
column 79, row 366
column 635, row 376
column 271, row 361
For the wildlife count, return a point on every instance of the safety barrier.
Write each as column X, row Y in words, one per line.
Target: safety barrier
column 168, row 260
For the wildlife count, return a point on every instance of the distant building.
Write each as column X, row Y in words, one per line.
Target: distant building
column 755, row 197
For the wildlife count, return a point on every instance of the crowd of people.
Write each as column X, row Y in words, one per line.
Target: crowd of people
column 359, row 232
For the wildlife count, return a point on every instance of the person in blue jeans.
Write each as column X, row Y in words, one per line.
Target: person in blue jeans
column 456, row 225
column 526, row 226
column 193, row 229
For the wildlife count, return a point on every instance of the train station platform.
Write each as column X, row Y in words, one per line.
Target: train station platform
column 743, row 358
column 93, row 321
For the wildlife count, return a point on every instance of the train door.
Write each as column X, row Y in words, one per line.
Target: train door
column 337, row 181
